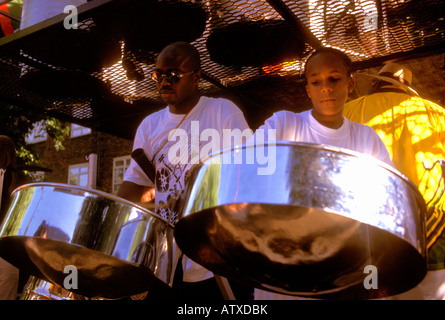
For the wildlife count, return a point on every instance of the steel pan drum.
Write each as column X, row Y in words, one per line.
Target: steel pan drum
column 310, row 227
column 117, row 248
column 37, row 289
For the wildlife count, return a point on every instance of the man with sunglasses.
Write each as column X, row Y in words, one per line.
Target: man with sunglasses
column 177, row 74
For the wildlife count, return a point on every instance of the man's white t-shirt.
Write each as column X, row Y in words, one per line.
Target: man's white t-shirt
column 303, row 127
column 198, row 136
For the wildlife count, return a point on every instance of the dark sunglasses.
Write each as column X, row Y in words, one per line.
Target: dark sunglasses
column 171, row 76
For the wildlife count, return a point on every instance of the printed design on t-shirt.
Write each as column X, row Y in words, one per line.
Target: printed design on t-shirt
column 169, row 184
column 162, row 179
column 161, row 210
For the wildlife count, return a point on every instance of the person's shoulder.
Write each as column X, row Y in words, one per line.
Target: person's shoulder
column 358, row 125
column 351, row 104
column 284, row 119
column 362, row 128
column 289, row 117
column 287, row 114
column 428, row 104
column 223, row 103
column 155, row 116
column 158, row 113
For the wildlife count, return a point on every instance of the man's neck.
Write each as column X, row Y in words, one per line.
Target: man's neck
column 186, row 106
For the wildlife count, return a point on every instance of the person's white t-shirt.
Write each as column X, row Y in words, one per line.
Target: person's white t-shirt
column 303, row 127
column 198, row 136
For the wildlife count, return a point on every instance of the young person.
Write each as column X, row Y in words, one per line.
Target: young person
column 329, row 81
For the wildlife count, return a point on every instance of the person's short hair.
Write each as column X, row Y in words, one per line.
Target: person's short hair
column 344, row 57
column 184, row 50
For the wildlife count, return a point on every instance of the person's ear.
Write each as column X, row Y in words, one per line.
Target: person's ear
column 307, row 91
column 351, row 84
column 197, row 75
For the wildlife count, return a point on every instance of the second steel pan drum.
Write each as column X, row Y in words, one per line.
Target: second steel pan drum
column 111, row 246
column 323, row 222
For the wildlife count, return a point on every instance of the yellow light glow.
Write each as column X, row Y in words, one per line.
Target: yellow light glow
column 284, row 66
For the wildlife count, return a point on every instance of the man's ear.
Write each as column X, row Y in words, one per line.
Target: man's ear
column 197, row 75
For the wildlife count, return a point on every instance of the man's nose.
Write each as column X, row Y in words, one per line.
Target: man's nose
column 164, row 80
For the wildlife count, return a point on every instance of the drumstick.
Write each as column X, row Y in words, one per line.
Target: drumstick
column 142, row 160
column 225, row 288
column 151, row 205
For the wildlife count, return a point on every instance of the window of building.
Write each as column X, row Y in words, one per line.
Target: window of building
column 37, row 176
column 77, row 131
column 78, row 174
column 120, row 164
column 37, row 134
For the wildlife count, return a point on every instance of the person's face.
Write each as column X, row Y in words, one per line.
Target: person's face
column 328, row 84
column 175, row 94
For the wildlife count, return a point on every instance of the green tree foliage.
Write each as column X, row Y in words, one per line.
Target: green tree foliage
column 16, row 122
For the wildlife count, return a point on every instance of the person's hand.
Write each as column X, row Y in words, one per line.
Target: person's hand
column 148, row 195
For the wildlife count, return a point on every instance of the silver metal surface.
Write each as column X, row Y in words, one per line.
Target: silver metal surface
column 309, row 228
column 38, row 289
column 117, row 248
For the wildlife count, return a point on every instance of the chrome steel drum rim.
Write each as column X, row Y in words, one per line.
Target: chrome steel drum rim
column 91, row 191
column 117, row 247
column 218, row 254
column 311, row 146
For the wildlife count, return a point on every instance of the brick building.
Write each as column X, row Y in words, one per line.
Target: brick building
column 90, row 159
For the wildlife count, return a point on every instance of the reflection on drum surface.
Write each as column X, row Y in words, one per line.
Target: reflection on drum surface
column 118, row 248
column 308, row 229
